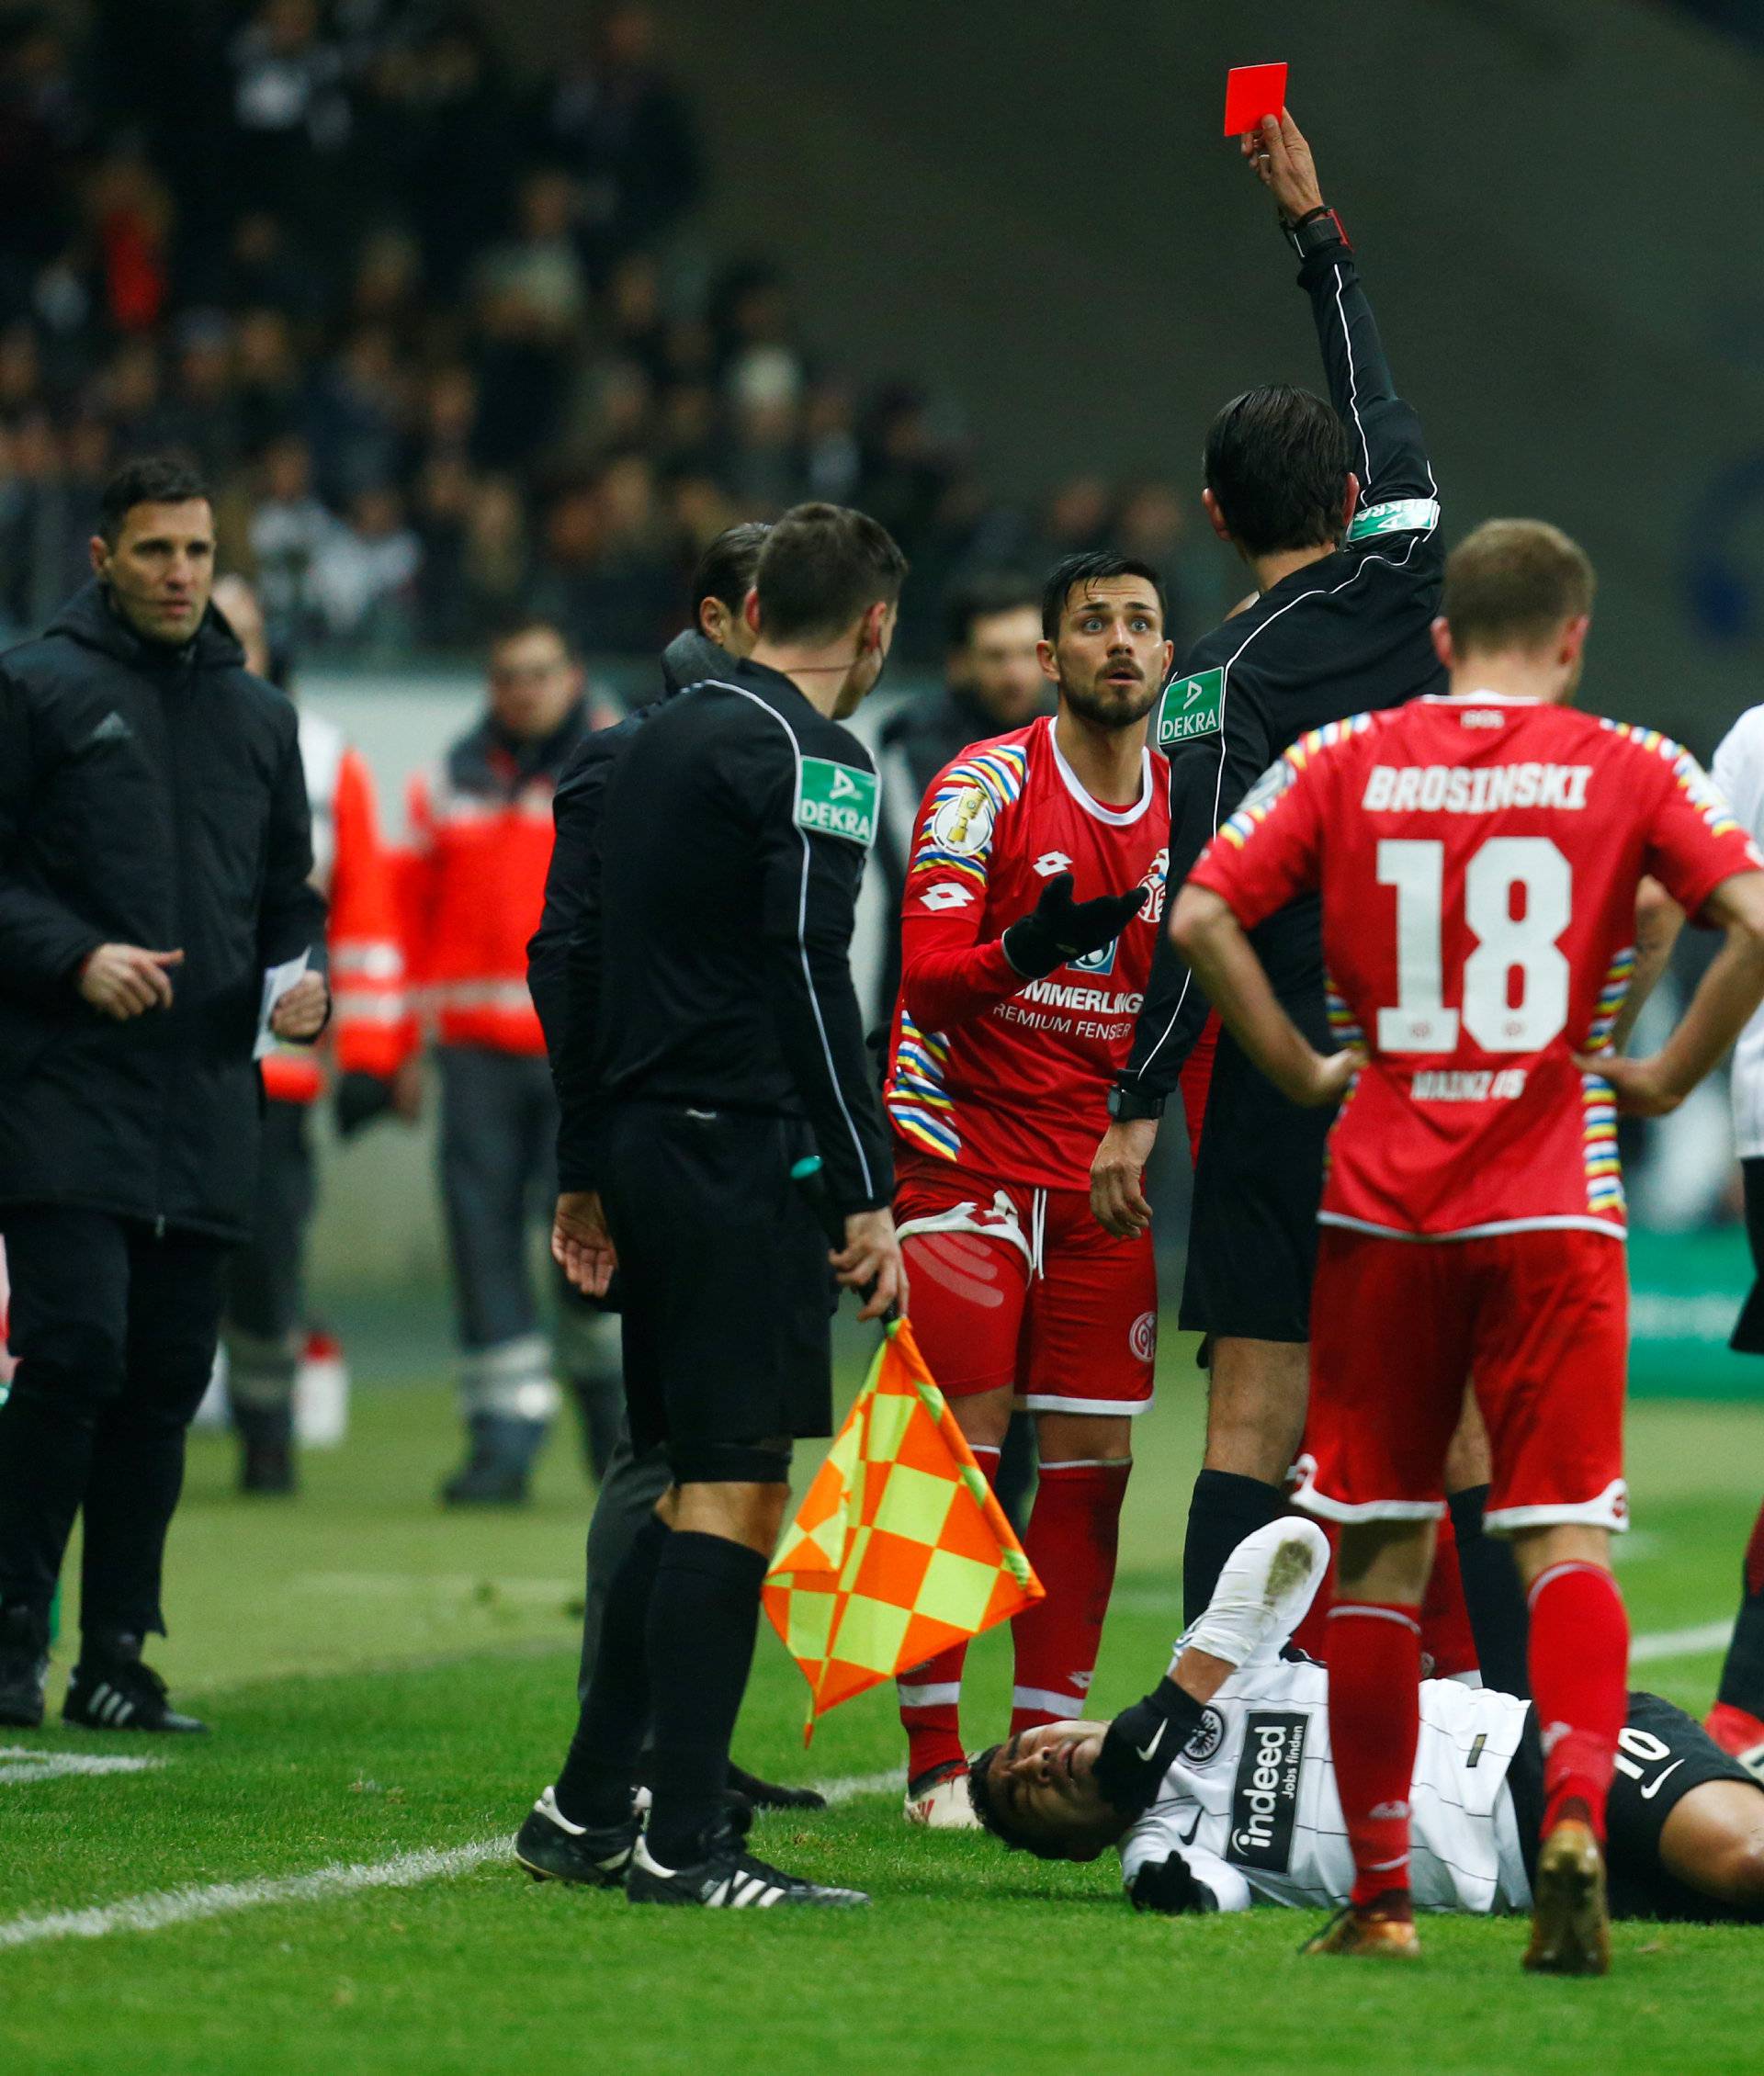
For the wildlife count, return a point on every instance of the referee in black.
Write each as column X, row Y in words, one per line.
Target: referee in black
column 1334, row 508
column 720, row 1043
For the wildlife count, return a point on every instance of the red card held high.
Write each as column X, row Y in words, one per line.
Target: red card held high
column 1251, row 93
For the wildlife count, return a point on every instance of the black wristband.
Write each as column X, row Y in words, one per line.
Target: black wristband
column 1316, row 230
column 1127, row 1106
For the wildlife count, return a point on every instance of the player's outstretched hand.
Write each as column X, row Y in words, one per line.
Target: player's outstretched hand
column 1060, row 930
column 581, row 1244
column 1638, row 1086
column 1282, row 161
column 870, row 1261
column 1117, row 1196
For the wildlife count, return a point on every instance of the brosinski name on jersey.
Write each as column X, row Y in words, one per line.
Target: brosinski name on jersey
column 1451, row 789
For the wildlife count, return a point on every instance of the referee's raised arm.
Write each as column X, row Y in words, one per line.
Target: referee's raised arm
column 1330, row 502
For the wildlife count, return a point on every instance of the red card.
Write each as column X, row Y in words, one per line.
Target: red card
column 1251, row 93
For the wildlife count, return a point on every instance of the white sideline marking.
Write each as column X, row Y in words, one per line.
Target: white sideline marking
column 160, row 1909
column 20, row 1764
column 1680, row 1642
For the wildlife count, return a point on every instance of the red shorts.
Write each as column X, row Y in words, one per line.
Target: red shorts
column 1021, row 1287
column 1538, row 1319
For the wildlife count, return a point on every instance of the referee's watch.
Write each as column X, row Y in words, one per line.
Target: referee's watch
column 1128, row 1105
column 1315, row 231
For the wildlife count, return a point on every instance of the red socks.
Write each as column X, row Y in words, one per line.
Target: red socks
column 1074, row 1531
column 930, row 1694
column 1579, row 1667
column 1375, row 1726
column 1448, row 1645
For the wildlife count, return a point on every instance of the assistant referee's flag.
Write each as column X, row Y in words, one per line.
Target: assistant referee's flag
column 899, row 1547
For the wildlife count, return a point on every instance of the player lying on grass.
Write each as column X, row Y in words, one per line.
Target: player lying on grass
column 1218, row 1789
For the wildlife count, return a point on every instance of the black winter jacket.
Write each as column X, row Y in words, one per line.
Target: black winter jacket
column 149, row 796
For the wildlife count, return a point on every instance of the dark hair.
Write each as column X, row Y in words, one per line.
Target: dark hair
column 1096, row 566
column 153, row 478
column 1277, row 463
column 727, row 567
column 512, row 626
column 991, row 1811
column 1513, row 584
column 980, row 598
column 821, row 566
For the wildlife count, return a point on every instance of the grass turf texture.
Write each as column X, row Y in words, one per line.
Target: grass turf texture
column 384, row 1678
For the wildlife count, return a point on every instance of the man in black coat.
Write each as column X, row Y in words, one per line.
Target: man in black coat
column 155, row 852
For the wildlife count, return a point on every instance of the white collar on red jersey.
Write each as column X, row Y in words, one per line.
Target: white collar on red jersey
column 1116, row 817
column 1480, row 699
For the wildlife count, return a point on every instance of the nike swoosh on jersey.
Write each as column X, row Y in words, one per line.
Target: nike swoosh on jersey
column 1660, row 1780
column 1188, row 1838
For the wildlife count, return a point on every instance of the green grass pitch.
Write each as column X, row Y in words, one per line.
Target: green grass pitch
column 384, row 1680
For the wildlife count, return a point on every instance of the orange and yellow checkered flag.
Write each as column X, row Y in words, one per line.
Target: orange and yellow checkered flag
column 899, row 1547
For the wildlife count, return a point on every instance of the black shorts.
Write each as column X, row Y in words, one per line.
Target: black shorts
column 1662, row 1754
column 727, row 1294
column 1258, row 1182
column 1748, row 1331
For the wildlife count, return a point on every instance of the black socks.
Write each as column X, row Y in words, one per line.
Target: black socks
column 1742, row 1677
column 704, row 1616
column 1492, row 1593
column 1225, row 1507
column 594, row 1787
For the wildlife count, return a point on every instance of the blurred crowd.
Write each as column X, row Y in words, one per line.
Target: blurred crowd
column 440, row 333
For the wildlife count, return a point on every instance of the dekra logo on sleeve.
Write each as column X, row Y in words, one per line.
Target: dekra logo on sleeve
column 837, row 800
column 1191, row 707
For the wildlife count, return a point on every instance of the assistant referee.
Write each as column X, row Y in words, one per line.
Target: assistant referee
column 720, row 1043
column 1332, row 503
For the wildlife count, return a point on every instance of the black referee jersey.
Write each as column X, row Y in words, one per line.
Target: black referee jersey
column 572, row 880
column 1338, row 637
column 712, row 971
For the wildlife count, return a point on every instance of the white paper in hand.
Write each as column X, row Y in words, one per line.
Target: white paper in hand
column 278, row 980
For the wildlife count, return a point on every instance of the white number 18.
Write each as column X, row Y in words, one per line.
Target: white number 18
column 1420, row 1023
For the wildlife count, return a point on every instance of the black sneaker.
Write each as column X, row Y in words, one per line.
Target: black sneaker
column 773, row 1794
column 551, row 1848
column 728, row 1877
column 111, row 1690
column 24, row 1666
column 499, row 1463
column 265, row 1451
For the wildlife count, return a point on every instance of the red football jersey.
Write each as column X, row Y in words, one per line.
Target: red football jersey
column 1004, row 1076
column 1479, row 859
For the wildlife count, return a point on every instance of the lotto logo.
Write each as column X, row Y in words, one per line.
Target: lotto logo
column 1050, row 862
column 948, row 896
column 1143, row 1338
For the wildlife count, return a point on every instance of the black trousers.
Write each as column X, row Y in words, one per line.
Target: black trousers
column 115, row 1331
column 266, row 1282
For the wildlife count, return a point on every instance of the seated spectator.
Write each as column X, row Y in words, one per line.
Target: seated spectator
column 363, row 582
column 612, row 117
column 287, row 532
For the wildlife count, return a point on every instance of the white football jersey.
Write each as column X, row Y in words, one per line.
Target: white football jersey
column 1251, row 1804
column 1738, row 770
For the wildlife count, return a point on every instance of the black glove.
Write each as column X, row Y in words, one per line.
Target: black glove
column 1168, row 1886
column 1061, row 930
column 1141, row 1744
column 361, row 1097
